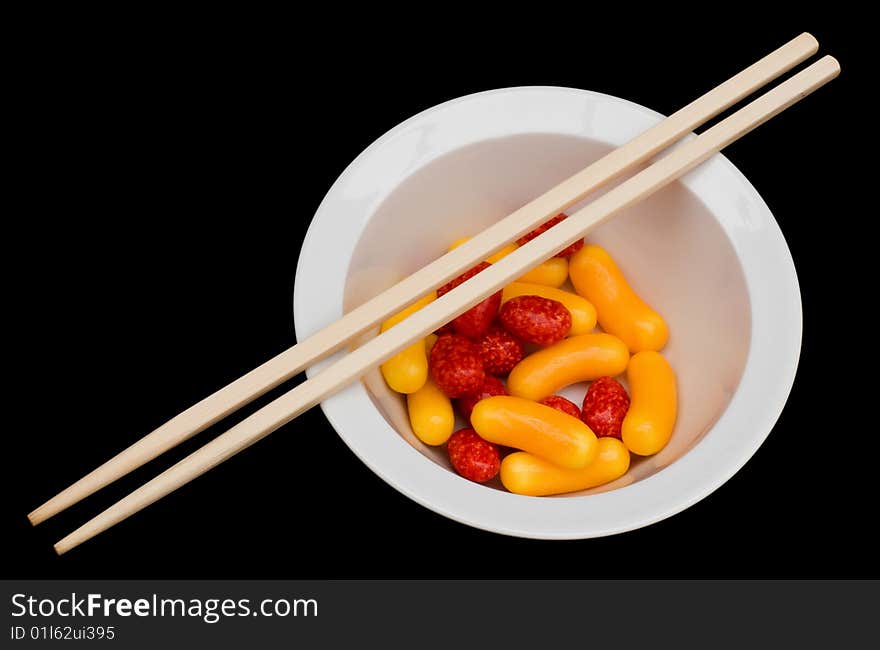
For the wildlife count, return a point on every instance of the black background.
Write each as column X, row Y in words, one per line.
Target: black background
column 168, row 178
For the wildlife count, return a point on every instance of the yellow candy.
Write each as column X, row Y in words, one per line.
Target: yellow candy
column 536, row 428
column 622, row 312
column 409, row 311
column 507, row 250
column 648, row 424
column 578, row 358
column 583, row 314
column 523, row 473
column 551, row 273
column 430, row 414
column 407, row 371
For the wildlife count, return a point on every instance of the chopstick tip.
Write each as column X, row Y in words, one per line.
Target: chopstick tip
column 36, row 517
column 62, row 547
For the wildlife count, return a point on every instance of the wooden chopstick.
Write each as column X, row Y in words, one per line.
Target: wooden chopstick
column 311, row 392
column 333, row 337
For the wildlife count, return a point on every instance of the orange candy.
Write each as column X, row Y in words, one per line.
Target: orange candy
column 648, row 424
column 524, row 473
column 536, row 428
column 578, row 358
column 621, row 311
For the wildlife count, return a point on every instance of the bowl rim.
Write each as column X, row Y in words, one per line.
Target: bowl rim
column 768, row 269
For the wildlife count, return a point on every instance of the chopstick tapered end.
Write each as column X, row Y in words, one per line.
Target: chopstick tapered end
column 38, row 516
column 64, row 545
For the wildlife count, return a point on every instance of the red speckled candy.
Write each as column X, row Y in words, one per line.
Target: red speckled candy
column 562, row 404
column 491, row 386
column 472, row 457
column 535, row 319
column 467, row 275
column 565, row 252
column 500, row 351
column 476, row 320
column 605, row 406
column 455, row 366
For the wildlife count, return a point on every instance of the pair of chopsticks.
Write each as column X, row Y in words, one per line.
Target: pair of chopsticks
column 360, row 320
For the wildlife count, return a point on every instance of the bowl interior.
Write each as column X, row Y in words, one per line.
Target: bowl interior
column 671, row 248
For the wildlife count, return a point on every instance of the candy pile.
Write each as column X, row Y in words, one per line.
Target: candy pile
column 542, row 338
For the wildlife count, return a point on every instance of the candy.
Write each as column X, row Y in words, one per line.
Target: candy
column 491, row 386
column 551, row 273
column 524, row 473
column 578, row 358
column 566, row 252
column 622, row 312
column 409, row 311
column 605, row 406
column 472, row 457
column 467, row 275
column 476, row 320
column 455, row 366
column 563, row 448
column 583, row 314
column 407, row 371
column 564, row 405
column 500, row 351
column 430, row 414
column 536, row 428
column 648, row 425
column 534, row 319
column 504, row 252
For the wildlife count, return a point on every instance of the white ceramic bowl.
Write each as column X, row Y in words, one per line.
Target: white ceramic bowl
column 705, row 251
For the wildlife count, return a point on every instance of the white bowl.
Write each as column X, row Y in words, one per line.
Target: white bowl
column 706, row 252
